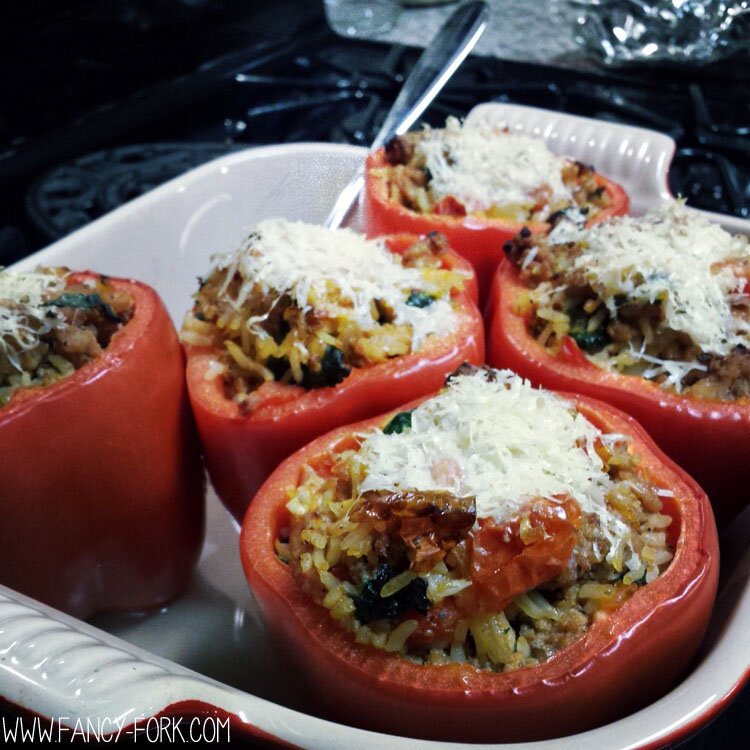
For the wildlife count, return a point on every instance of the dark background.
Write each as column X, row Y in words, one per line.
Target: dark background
column 102, row 100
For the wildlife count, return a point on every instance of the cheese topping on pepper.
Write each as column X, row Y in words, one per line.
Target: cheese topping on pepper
column 335, row 272
column 492, row 436
column 23, row 317
column 482, row 167
column 676, row 257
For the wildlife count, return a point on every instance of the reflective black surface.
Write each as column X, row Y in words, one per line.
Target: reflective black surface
column 101, row 101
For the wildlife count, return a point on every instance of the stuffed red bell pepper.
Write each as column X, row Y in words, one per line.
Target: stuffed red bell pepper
column 649, row 314
column 479, row 187
column 102, row 486
column 304, row 329
column 496, row 563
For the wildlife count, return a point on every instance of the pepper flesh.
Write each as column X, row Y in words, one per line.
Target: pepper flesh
column 709, row 438
column 242, row 450
column 479, row 240
column 102, row 484
column 627, row 659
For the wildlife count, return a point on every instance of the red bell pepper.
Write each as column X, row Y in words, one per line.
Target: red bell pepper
column 241, row 450
column 479, row 240
column 627, row 659
column 709, row 438
column 102, row 487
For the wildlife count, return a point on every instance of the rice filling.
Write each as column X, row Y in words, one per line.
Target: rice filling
column 411, row 538
column 302, row 305
column 474, row 169
column 50, row 327
column 663, row 296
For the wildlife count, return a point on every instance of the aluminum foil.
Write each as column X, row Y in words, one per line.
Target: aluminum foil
column 666, row 31
column 590, row 33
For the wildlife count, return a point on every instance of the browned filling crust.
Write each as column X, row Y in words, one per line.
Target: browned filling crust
column 409, row 185
column 578, row 312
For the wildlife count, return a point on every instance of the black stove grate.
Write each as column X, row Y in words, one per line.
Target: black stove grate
column 104, row 99
column 318, row 87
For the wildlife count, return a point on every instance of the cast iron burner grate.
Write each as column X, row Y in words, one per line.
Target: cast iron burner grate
column 322, row 88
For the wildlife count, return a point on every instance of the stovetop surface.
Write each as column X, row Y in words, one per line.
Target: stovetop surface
column 105, row 100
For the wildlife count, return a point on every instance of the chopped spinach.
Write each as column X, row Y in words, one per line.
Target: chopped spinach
column 83, row 302
column 369, row 605
column 418, row 298
column 278, row 366
column 399, row 423
column 588, row 341
column 332, row 371
column 592, row 341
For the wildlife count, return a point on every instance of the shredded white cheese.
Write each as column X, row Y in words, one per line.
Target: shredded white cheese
column 337, row 273
column 569, row 228
column 23, row 317
column 677, row 257
column 507, row 443
column 671, row 370
column 482, row 167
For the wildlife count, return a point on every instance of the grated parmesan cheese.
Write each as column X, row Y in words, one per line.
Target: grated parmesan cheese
column 336, row 272
column 674, row 256
column 509, row 443
column 482, row 167
column 23, row 318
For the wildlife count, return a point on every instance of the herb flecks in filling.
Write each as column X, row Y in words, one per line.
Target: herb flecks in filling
column 464, row 536
column 664, row 297
column 303, row 305
column 50, row 327
column 399, row 423
column 474, row 169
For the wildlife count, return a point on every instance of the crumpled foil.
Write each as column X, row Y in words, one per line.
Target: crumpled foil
column 586, row 34
column 665, row 31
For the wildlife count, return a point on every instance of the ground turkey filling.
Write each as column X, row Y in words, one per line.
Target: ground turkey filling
column 50, row 326
column 629, row 332
column 265, row 332
column 422, row 573
column 412, row 184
